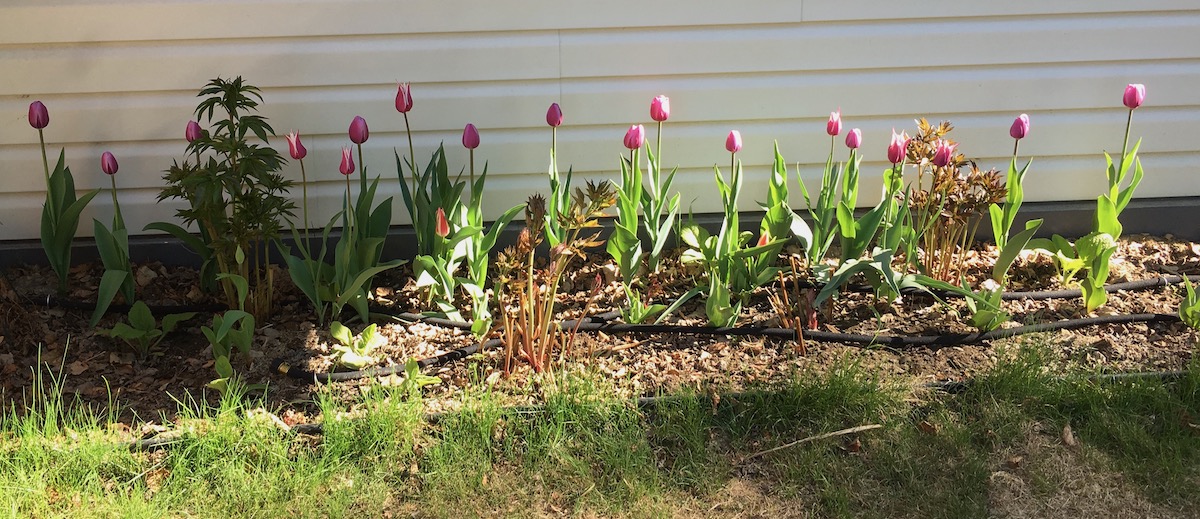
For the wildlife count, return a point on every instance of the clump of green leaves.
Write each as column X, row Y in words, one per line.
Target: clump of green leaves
column 143, row 333
column 355, row 352
column 1189, row 308
column 233, row 329
column 236, row 197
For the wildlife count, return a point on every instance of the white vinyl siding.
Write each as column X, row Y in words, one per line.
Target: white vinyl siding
column 122, row 75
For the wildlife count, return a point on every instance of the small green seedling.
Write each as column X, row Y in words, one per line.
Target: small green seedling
column 355, row 352
column 143, row 333
column 414, row 380
column 1189, row 308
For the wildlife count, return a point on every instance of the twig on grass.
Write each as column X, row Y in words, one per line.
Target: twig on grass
column 851, row 430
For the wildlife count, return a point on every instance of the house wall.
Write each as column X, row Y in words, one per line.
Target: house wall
column 122, row 75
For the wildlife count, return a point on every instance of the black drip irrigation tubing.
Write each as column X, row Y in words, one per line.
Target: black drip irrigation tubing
column 1070, row 293
column 168, row 439
column 602, row 323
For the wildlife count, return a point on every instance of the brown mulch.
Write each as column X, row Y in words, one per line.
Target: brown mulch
column 100, row 371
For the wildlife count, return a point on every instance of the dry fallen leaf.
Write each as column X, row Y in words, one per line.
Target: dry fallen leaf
column 1068, row 437
column 77, row 368
column 927, row 428
column 1014, row 462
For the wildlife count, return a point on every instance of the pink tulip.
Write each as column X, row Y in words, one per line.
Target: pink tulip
column 1020, row 127
column 898, row 147
column 660, row 108
column 38, row 116
column 854, row 139
column 943, row 152
column 192, row 132
column 358, row 130
column 554, row 115
column 443, row 226
column 404, row 101
column 108, row 163
column 1135, row 93
column 764, row 239
column 295, row 147
column 733, row 142
column 470, row 138
column 635, row 137
column 834, row 126
column 347, row 166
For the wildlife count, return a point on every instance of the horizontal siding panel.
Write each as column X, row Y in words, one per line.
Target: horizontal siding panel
column 877, row 45
column 841, row 10
column 25, row 22
column 1050, row 178
column 89, row 69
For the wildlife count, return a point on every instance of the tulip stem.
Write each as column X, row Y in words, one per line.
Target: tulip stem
column 362, row 172
column 472, row 152
column 49, row 194
column 304, row 187
column 1124, row 147
column 412, row 155
column 1016, row 142
column 118, row 222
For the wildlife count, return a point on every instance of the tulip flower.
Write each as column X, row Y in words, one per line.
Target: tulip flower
column 295, row 147
column 470, row 137
column 834, row 126
column 854, row 139
column 38, row 116
column 635, row 137
column 347, row 166
column 404, row 101
column 554, row 115
column 733, row 142
column 443, row 226
column 1135, row 93
column 660, row 108
column 898, row 148
column 108, row 163
column 358, row 130
column 943, row 153
column 1020, row 127
column 192, row 132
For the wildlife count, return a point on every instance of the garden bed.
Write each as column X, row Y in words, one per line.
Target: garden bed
column 100, row 370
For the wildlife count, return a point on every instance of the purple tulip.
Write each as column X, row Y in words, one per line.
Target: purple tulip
column 295, row 147
column 943, row 153
column 635, row 137
column 108, row 163
column 347, row 166
column 660, row 108
column 898, row 147
column 358, row 130
column 554, row 116
column 404, row 101
column 1020, row 127
column 38, row 116
column 733, row 142
column 854, row 139
column 834, row 126
column 470, row 137
column 192, row 132
column 1135, row 93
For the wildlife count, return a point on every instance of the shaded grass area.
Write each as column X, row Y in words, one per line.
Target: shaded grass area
column 995, row 448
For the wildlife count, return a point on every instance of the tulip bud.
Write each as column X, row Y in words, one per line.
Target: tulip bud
column 358, row 130
column 470, row 137
column 733, row 142
column 764, row 239
column 943, row 153
column 834, row 126
column 38, row 116
column 193, row 131
column 1020, row 127
column 854, row 139
column 635, row 137
column 443, row 226
column 1135, row 93
column 898, row 147
column 404, row 101
column 347, row 166
column 660, row 108
column 108, row 163
column 295, row 147
column 554, row 115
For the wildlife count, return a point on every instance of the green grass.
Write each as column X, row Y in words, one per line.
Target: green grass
column 586, row 453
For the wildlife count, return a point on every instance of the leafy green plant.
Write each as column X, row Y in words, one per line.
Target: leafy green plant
column 435, row 272
column 235, row 198
column 113, row 246
column 1089, row 254
column 232, row 329
column 355, row 352
column 824, row 214
column 1189, row 307
column 356, row 257
column 60, row 213
column 433, row 190
column 658, row 208
column 1110, row 205
column 143, row 333
column 987, row 312
column 414, row 380
column 479, row 250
